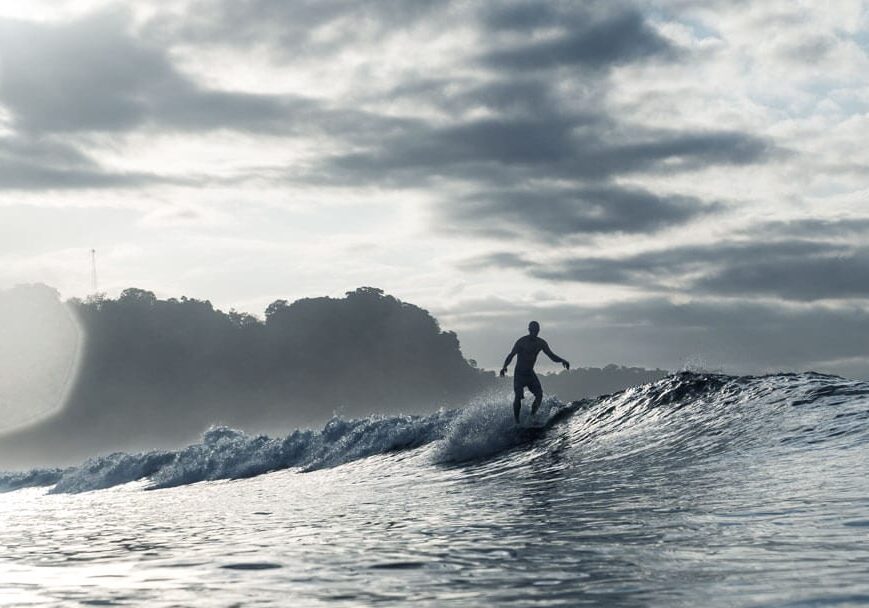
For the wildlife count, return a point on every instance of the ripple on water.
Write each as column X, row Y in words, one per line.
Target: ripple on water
column 397, row 566
column 252, row 566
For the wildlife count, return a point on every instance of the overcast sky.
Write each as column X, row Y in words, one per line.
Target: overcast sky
column 659, row 182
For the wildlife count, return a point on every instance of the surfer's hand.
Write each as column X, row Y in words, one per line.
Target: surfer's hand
column 566, row 364
column 503, row 371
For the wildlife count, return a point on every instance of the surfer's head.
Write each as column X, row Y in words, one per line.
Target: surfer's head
column 534, row 328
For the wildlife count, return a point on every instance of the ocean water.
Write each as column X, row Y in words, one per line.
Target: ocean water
column 698, row 490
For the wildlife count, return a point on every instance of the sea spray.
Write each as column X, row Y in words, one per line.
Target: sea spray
column 683, row 417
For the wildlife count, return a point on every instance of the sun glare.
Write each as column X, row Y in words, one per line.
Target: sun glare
column 40, row 352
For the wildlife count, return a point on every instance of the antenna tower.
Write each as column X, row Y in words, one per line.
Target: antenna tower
column 93, row 271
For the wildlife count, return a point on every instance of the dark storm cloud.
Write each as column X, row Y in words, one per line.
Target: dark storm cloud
column 811, row 228
column 837, row 269
column 35, row 164
column 511, row 16
column 190, row 108
column 688, row 150
column 558, row 146
column 613, row 41
column 651, row 267
column 443, row 150
column 806, row 278
column 22, row 175
column 85, row 75
column 44, row 151
column 795, row 270
column 547, row 212
column 92, row 75
column 517, row 97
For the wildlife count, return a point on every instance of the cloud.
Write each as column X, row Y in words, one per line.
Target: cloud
column 43, row 164
column 547, row 212
column 93, row 75
column 511, row 125
column 810, row 49
column 512, row 16
column 810, row 228
column 185, row 216
column 794, row 269
column 615, row 40
column 683, row 151
column 515, row 124
column 501, row 259
column 563, row 147
column 83, row 75
column 679, row 261
column 299, row 28
column 459, row 150
column 99, row 75
column 835, row 266
column 819, row 277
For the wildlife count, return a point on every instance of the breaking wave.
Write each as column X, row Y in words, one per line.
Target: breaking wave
column 685, row 417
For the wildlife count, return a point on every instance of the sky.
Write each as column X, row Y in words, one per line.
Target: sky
column 660, row 182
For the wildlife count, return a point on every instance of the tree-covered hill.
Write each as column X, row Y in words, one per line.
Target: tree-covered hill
column 158, row 372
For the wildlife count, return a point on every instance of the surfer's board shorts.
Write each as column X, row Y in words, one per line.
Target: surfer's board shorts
column 529, row 380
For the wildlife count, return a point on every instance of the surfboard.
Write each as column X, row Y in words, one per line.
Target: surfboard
column 528, row 433
column 532, row 423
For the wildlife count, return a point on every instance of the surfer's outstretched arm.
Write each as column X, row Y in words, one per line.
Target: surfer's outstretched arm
column 555, row 357
column 508, row 359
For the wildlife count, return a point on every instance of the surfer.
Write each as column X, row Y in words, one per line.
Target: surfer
column 526, row 350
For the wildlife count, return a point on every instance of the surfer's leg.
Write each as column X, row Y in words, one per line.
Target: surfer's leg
column 538, row 399
column 518, row 392
column 537, row 389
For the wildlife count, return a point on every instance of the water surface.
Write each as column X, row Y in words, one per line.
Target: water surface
column 696, row 490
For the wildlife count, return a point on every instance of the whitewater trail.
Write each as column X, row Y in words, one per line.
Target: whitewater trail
column 680, row 418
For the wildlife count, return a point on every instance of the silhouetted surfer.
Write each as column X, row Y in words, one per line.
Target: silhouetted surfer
column 526, row 350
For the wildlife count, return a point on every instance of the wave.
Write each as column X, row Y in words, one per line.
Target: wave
column 684, row 416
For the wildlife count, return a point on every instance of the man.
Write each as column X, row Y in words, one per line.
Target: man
column 526, row 350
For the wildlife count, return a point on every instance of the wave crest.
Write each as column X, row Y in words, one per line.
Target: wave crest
column 684, row 416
